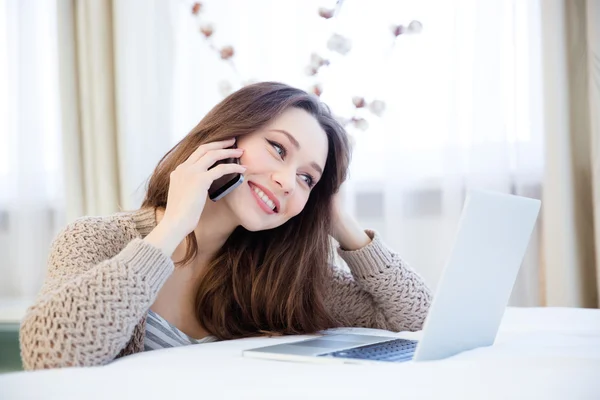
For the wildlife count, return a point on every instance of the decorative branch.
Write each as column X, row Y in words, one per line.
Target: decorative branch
column 225, row 53
column 343, row 45
column 336, row 43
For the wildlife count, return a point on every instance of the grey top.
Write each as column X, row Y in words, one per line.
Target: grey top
column 160, row 334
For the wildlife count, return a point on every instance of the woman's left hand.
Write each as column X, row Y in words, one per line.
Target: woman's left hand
column 345, row 229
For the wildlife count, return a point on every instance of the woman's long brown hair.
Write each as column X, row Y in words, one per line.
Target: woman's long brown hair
column 266, row 282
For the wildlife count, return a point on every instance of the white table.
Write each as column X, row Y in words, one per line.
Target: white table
column 540, row 353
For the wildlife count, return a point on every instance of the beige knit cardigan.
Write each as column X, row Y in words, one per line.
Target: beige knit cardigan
column 102, row 279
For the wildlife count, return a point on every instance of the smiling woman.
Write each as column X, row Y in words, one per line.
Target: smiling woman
column 183, row 270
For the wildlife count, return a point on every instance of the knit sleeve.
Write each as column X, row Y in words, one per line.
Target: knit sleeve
column 90, row 302
column 381, row 291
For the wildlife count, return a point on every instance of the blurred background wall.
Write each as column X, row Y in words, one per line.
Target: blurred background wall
column 439, row 96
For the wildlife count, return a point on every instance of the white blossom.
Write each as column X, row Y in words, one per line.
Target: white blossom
column 339, row 44
column 377, row 107
column 415, row 27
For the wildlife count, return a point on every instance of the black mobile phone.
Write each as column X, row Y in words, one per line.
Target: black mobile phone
column 225, row 184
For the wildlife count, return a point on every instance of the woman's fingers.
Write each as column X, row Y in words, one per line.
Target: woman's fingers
column 224, row 169
column 204, row 148
column 212, row 156
column 191, row 180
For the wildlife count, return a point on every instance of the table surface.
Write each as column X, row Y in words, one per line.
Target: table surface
column 540, row 353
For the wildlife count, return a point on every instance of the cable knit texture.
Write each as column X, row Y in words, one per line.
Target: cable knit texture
column 103, row 277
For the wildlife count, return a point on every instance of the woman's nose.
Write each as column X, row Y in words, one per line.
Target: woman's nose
column 286, row 180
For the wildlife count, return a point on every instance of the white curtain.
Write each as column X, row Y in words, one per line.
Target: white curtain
column 144, row 73
column 462, row 100
column 31, row 198
column 87, row 96
column 571, row 33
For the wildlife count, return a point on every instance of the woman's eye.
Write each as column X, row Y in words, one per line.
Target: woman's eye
column 278, row 148
column 308, row 179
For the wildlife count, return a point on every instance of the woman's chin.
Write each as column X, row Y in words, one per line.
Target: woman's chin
column 253, row 225
column 253, row 222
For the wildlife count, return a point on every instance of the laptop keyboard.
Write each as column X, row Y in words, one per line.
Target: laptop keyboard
column 393, row 351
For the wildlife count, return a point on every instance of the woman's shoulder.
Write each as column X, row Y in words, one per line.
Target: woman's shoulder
column 104, row 232
column 88, row 240
column 122, row 221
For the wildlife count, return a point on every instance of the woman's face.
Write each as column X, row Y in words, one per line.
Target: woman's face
column 284, row 161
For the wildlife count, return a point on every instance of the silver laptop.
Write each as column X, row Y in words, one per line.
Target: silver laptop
column 473, row 292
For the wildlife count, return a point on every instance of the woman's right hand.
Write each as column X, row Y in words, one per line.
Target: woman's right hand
column 188, row 188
